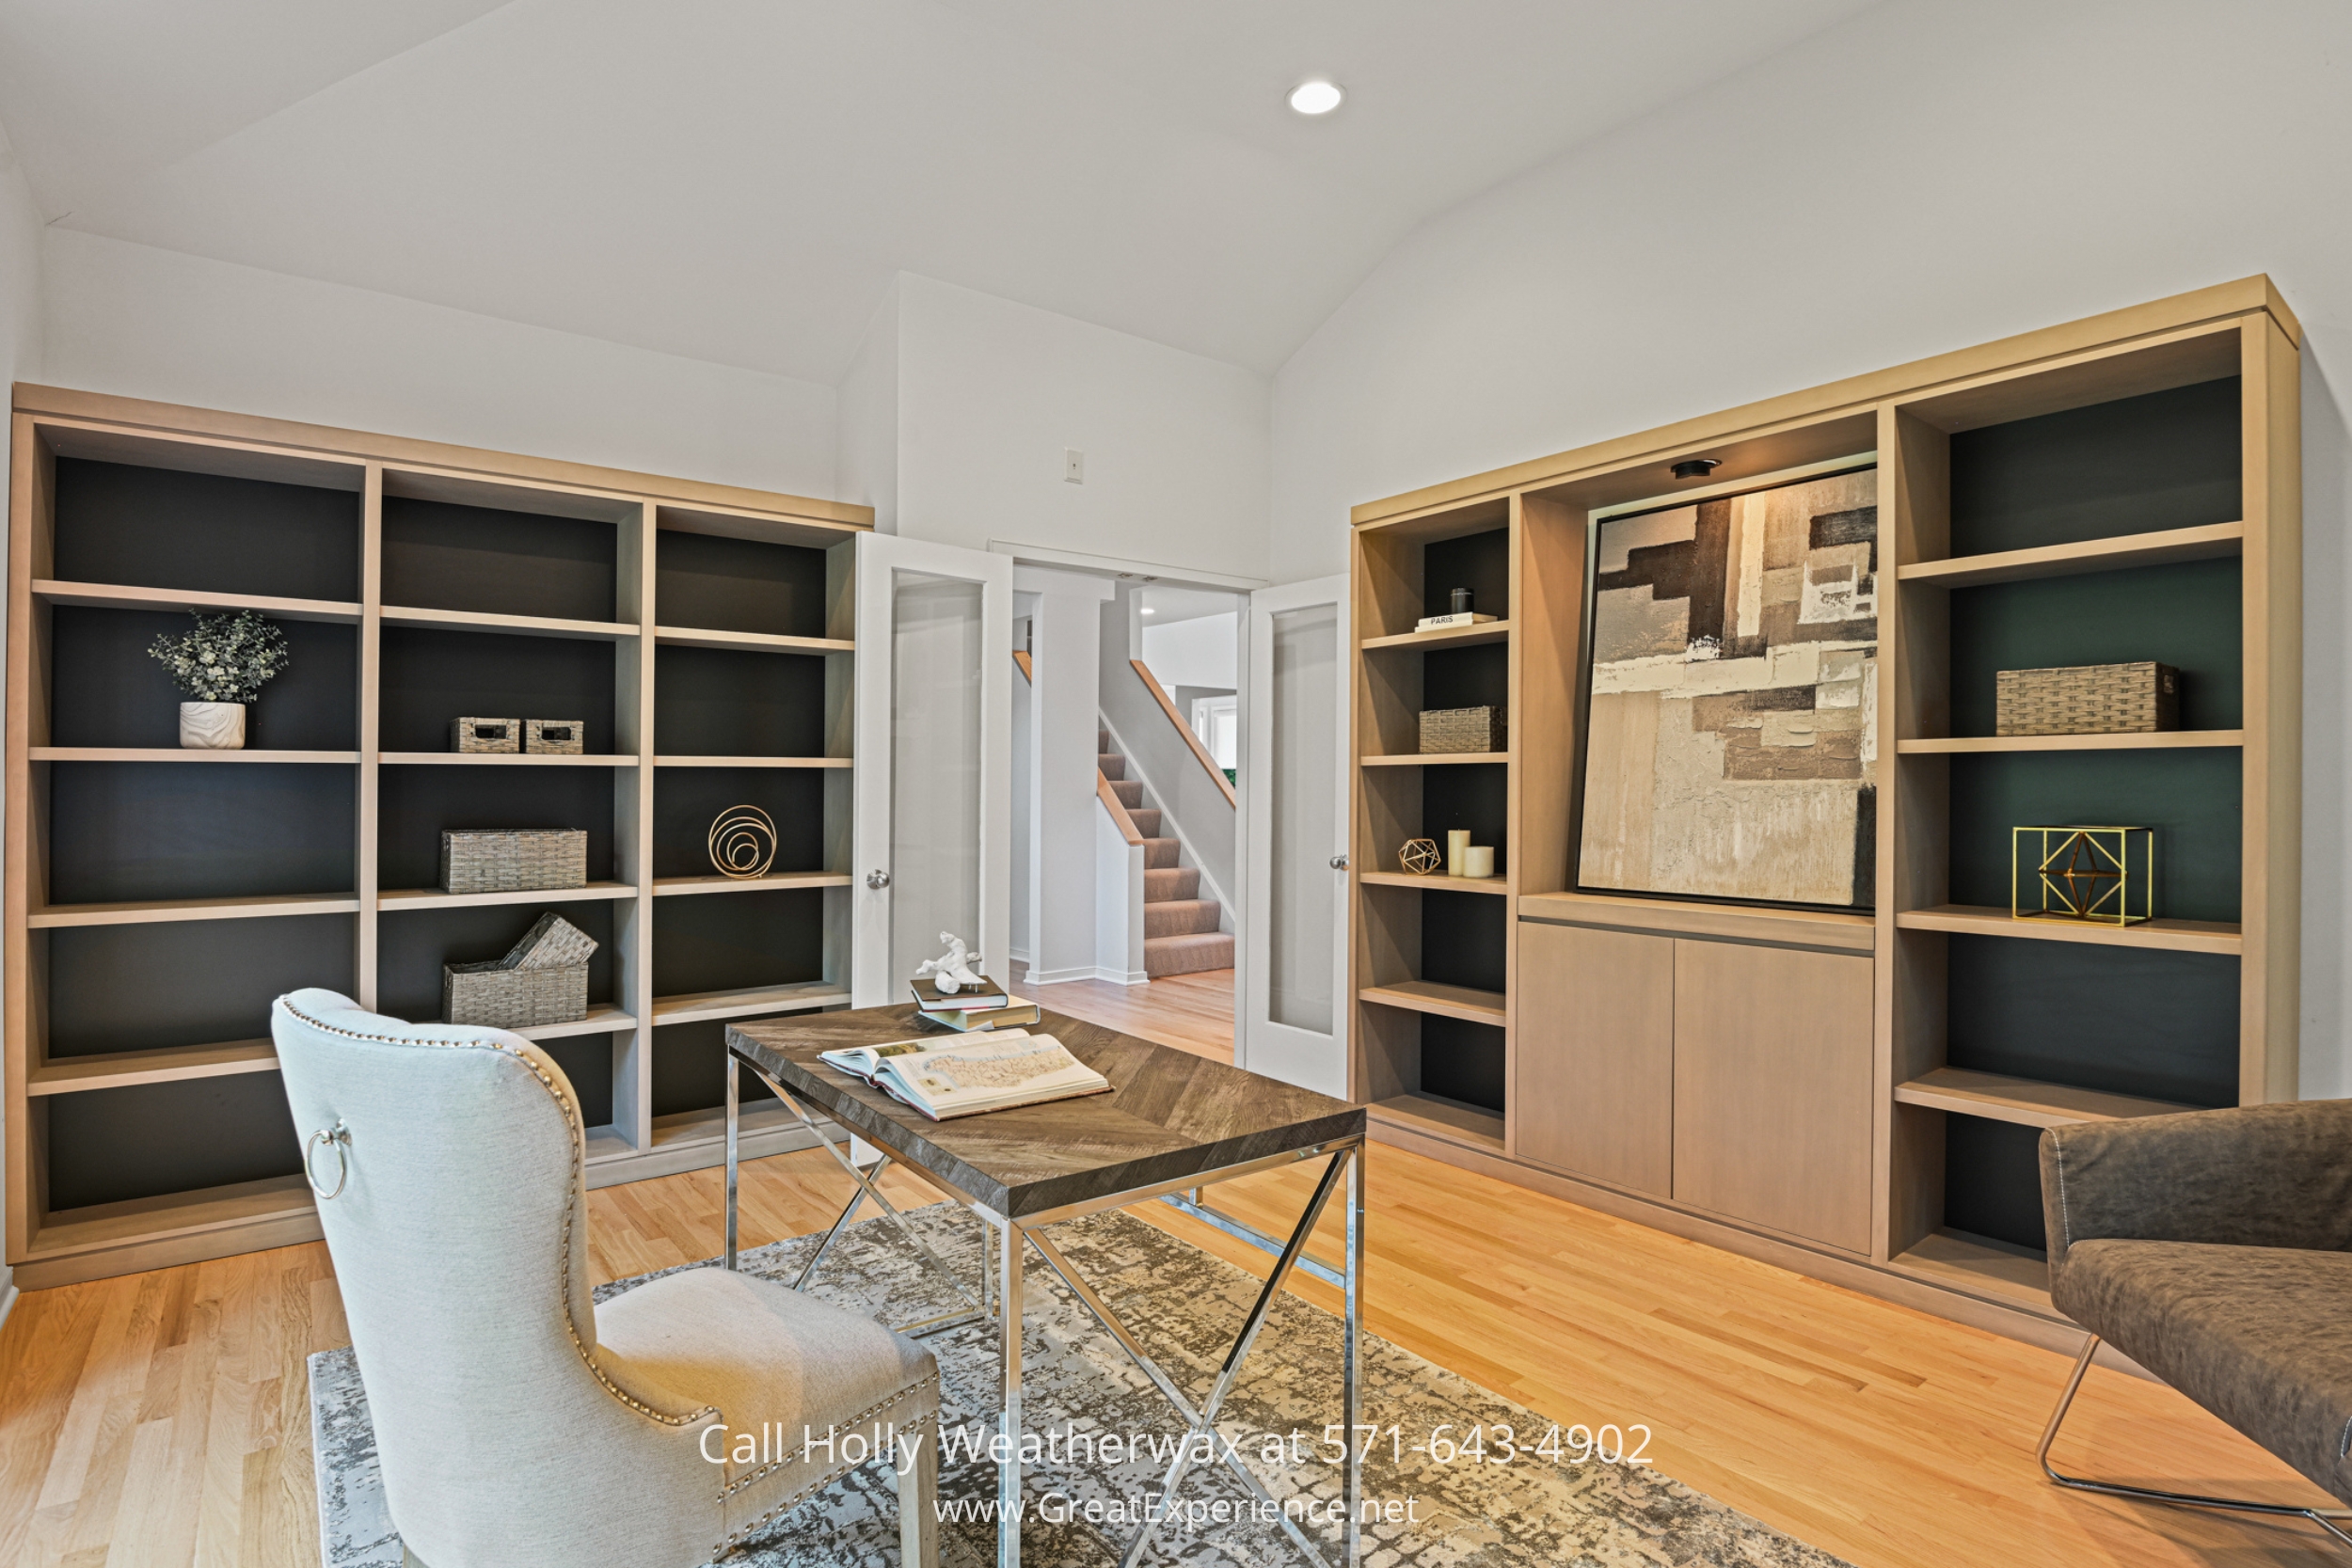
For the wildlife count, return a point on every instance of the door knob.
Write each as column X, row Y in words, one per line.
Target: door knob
column 1339, row 862
column 877, row 879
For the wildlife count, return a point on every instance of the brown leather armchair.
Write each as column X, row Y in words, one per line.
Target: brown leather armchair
column 2215, row 1248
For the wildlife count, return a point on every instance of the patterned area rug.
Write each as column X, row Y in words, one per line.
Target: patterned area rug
column 1464, row 1478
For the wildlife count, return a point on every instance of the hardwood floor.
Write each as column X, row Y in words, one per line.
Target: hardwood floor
column 161, row 1419
column 1192, row 1012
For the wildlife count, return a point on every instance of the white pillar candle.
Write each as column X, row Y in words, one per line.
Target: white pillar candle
column 1457, row 848
column 1478, row 860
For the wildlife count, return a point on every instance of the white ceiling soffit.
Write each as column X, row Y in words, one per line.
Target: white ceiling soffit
column 737, row 180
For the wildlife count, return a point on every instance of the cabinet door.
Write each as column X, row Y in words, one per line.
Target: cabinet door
column 1595, row 1054
column 1772, row 1088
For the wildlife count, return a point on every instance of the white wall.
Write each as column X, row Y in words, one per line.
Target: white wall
column 865, row 463
column 1922, row 178
column 156, row 323
column 991, row 392
column 1200, row 651
column 20, row 359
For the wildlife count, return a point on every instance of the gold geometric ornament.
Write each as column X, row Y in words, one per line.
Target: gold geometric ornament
column 1421, row 856
column 742, row 843
column 2098, row 876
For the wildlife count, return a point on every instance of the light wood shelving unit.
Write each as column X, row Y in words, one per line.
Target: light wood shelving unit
column 1998, row 547
column 134, row 1140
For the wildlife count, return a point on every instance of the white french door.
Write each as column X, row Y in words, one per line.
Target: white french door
column 931, row 840
column 1293, row 987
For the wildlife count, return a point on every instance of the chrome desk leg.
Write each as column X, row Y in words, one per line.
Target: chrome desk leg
column 1352, row 1339
column 735, row 1105
column 1205, row 1420
column 1010, row 1257
column 1175, row 1396
column 2330, row 1519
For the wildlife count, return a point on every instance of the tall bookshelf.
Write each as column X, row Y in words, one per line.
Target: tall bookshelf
column 1857, row 1093
column 157, row 898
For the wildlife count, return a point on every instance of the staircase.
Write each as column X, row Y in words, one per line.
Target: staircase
column 1179, row 927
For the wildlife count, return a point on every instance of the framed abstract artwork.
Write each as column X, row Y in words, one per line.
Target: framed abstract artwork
column 1731, row 743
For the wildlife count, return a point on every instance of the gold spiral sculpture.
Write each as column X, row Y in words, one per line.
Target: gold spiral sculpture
column 743, row 842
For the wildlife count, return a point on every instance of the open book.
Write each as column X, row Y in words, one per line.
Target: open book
column 963, row 1075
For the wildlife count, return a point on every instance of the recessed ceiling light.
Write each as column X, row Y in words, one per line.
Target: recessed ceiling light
column 1317, row 97
column 1147, row 609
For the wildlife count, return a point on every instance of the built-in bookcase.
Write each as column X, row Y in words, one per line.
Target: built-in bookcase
column 159, row 898
column 1860, row 1093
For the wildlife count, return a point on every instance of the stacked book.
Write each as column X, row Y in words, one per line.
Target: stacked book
column 987, row 1005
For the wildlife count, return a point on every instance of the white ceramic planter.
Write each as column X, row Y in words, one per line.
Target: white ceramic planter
column 212, row 726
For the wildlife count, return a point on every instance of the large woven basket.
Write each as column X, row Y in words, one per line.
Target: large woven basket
column 513, row 859
column 2088, row 699
column 543, row 979
column 492, row 996
column 1462, row 729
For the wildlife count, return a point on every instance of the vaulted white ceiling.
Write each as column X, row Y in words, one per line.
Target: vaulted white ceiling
column 737, row 180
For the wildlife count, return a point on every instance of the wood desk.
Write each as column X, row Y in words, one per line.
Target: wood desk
column 1172, row 1124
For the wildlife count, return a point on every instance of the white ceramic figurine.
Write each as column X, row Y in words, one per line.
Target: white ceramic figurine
column 956, row 968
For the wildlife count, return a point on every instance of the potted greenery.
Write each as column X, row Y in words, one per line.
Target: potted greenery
column 223, row 664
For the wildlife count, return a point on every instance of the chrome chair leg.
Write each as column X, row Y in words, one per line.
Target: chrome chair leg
column 2330, row 1519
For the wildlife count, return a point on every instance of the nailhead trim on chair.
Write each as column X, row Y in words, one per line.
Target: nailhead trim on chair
column 564, row 1275
column 755, row 1526
column 872, row 1410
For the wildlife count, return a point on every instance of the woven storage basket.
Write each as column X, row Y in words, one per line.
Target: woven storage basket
column 1461, row 729
column 543, row 979
column 485, row 735
column 2088, row 699
column 514, row 860
column 558, row 737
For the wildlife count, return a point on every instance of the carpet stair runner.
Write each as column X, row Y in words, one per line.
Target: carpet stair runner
column 1180, row 927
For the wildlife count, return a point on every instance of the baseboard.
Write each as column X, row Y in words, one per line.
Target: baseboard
column 699, row 1153
column 1098, row 972
column 1993, row 1317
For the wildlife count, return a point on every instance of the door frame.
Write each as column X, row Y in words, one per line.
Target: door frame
column 879, row 557
column 1260, row 1044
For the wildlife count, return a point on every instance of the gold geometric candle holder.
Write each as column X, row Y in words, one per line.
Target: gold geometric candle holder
column 2100, row 875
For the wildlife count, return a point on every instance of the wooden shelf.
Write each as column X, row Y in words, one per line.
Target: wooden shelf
column 108, row 595
column 2093, row 555
column 121, row 1068
column 753, row 641
column 753, row 762
column 155, row 911
column 1436, row 883
column 433, row 898
column 2178, row 936
column 174, row 1216
column 517, row 625
column 2155, row 740
column 177, row 754
column 507, row 759
column 1428, row 996
column 1445, row 1118
column 1434, row 759
column 1793, row 928
column 665, row 887
column 605, row 1145
column 603, row 1018
column 636, row 542
column 2000, row 1270
column 2025, row 1102
column 746, row 1000
column 686, row 1128
column 1454, row 637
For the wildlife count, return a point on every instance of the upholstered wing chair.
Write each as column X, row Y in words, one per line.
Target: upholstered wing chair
column 2215, row 1248
column 518, row 1425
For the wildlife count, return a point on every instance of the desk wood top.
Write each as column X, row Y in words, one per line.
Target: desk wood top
column 1169, row 1115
